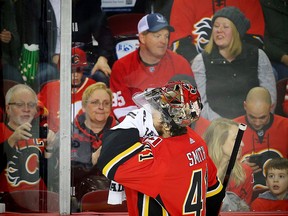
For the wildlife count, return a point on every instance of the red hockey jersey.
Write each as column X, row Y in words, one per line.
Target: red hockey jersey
column 175, row 172
column 22, row 171
column 261, row 204
column 244, row 190
column 271, row 142
column 130, row 75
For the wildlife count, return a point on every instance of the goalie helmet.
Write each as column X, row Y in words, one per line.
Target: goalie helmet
column 178, row 101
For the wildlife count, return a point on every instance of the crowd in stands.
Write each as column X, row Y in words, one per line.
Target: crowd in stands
column 235, row 52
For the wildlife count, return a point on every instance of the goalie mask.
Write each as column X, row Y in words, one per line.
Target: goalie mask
column 178, row 101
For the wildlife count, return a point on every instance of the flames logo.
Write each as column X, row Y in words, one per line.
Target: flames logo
column 75, row 59
column 202, row 33
column 23, row 167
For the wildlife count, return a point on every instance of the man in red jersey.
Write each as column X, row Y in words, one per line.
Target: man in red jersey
column 266, row 136
column 149, row 66
column 162, row 163
column 24, row 149
column 79, row 83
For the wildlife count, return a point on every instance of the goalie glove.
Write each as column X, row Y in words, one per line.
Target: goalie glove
column 141, row 120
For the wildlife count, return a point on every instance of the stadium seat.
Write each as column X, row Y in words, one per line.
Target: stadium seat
column 124, row 24
column 96, row 201
column 31, row 201
column 124, row 30
column 281, row 89
column 7, row 84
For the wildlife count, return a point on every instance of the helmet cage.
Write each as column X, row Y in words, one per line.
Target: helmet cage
column 182, row 102
column 179, row 102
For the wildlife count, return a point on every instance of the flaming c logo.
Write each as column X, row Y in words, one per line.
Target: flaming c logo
column 23, row 167
column 75, row 59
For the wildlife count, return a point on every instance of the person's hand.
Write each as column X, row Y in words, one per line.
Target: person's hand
column 284, row 59
column 253, row 166
column 5, row 36
column 55, row 59
column 102, row 65
column 21, row 133
column 95, row 156
column 50, row 143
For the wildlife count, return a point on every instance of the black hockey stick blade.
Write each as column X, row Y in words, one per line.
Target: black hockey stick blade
column 241, row 130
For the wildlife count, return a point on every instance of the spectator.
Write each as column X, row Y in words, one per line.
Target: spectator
column 266, row 136
column 276, row 198
column 25, row 148
column 79, row 84
column 149, row 66
column 87, row 132
column 220, row 138
column 9, row 42
column 38, row 23
column 229, row 67
column 9, row 37
column 276, row 35
column 148, row 169
column 192, row 22
column 89, row 20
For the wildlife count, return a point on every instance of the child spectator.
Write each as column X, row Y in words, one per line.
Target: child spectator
column 276, row 198
column 79, row 83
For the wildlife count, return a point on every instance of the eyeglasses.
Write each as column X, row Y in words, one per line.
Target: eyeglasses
column 22, row 105
column 97, row 103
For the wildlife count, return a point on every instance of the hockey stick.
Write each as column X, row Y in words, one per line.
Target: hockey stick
column 241, row 130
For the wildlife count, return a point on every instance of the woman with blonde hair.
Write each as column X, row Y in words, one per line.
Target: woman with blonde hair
column 88, row 129
column 229, row 67
column 220, row 138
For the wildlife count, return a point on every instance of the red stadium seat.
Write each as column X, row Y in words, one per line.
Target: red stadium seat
column 124, row 24
column 96, row 201
column 124, row 30
column 281, row 90
column 31, row 201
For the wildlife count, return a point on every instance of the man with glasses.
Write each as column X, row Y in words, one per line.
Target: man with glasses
column 26, row 142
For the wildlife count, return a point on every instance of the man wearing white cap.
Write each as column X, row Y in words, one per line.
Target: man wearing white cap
column 149, row 66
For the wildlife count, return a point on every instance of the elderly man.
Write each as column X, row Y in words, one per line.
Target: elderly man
column 25, row 145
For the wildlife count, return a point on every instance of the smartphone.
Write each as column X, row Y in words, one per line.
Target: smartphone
column 256, row 158
column 39, row 131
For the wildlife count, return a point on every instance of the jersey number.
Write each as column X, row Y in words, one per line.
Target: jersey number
column 194, row 201
column 118, row 99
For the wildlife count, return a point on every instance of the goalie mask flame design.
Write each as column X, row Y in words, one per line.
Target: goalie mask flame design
column 178, row 101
